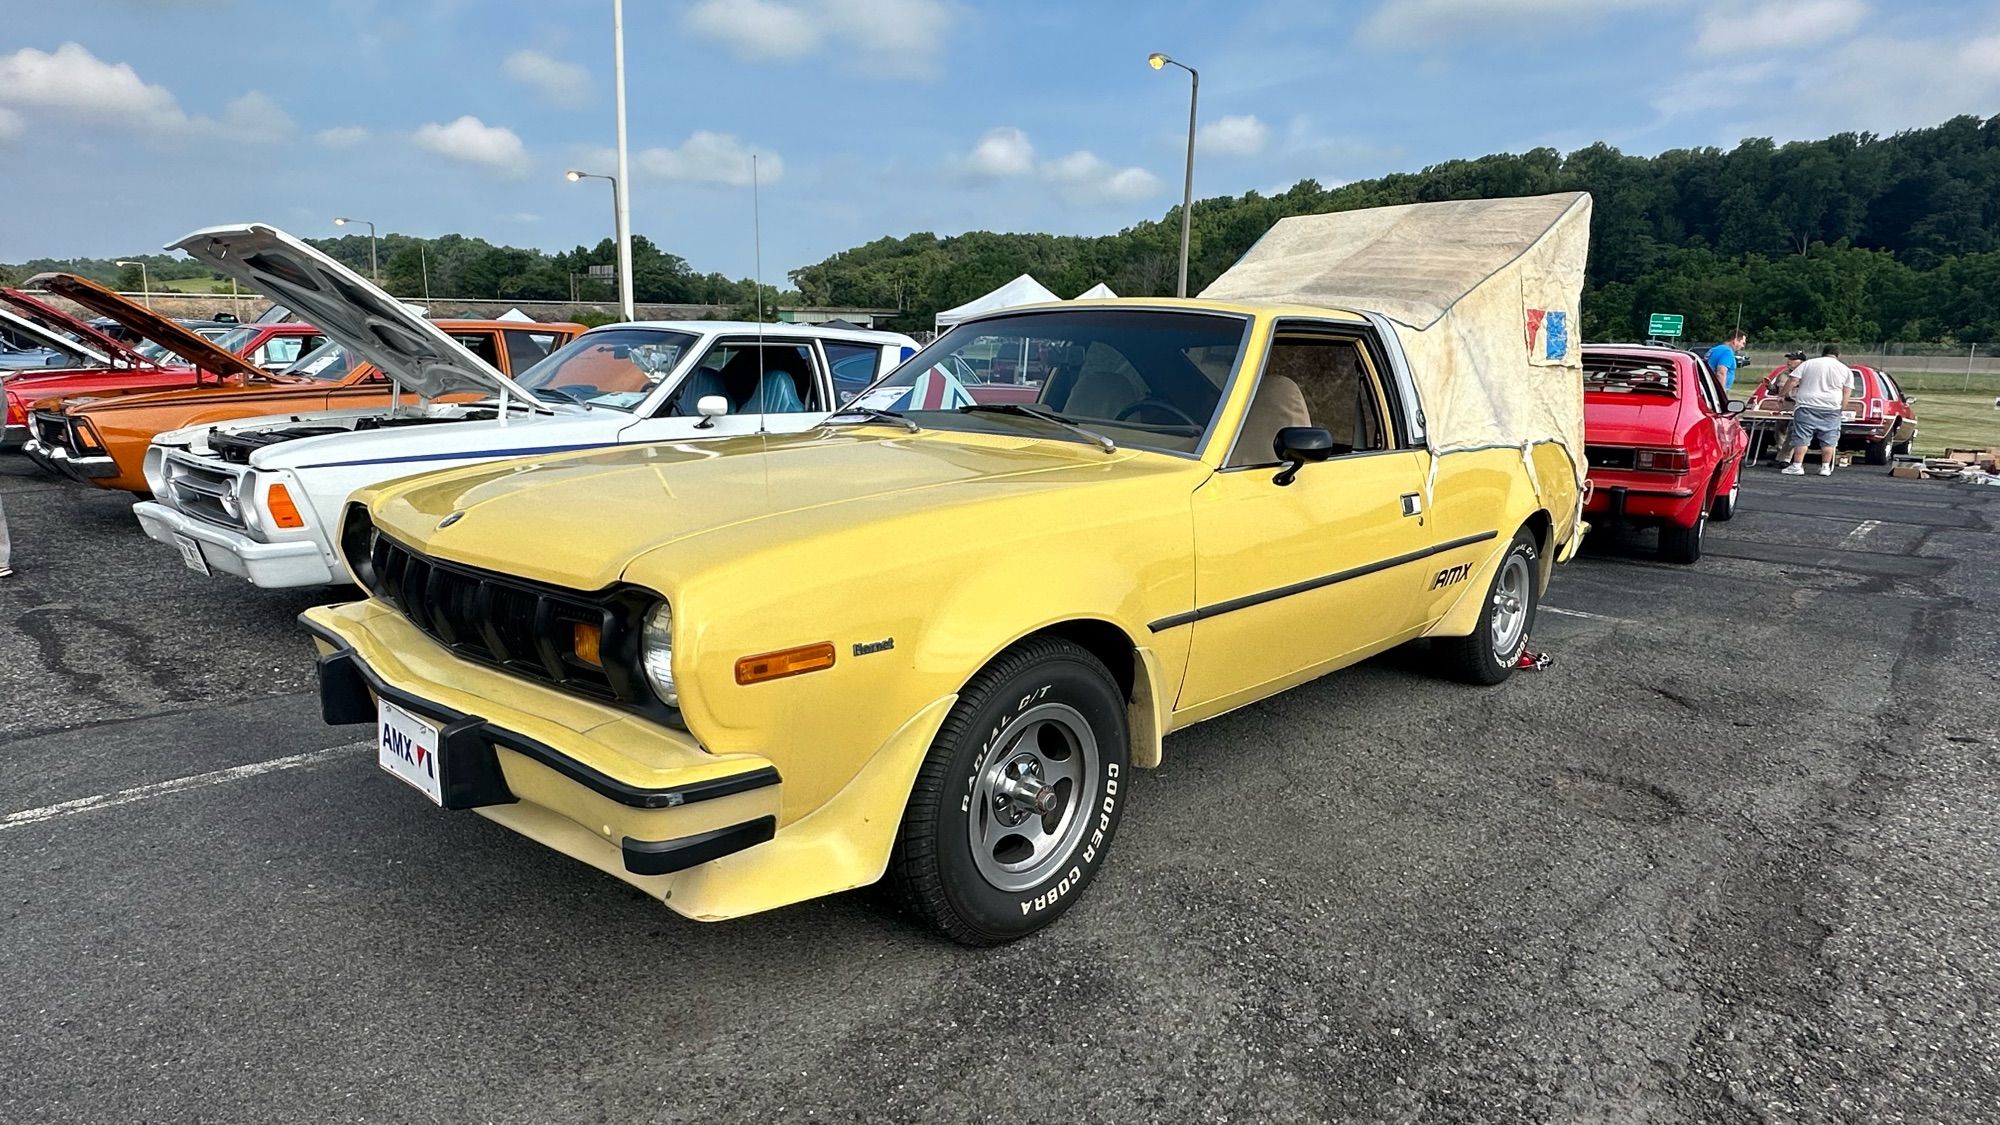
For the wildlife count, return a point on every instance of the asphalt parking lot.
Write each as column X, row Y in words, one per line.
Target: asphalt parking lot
column 1735, row 856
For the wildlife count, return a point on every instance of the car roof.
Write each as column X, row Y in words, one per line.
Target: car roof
column 751, row 327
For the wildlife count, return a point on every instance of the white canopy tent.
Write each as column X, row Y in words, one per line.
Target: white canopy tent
column 1097, row 292
column 1023, row 290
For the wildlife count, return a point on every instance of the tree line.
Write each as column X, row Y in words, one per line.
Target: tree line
column 1854, row 237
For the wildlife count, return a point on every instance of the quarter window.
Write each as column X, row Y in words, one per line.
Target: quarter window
column 854, row 367
column 525, row 349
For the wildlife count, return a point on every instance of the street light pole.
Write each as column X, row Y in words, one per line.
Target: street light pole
column 374, row 274
column 145, row 286
column 618, row 199
column 1156, row 60
column 618, row 225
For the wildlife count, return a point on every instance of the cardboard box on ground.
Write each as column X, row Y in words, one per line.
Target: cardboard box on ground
column 1955, row 463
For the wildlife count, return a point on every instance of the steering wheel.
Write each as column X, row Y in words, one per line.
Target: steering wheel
column 1158, row 404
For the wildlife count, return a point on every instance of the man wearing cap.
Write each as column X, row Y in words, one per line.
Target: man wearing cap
column 1820, row 390
column 1722, row 358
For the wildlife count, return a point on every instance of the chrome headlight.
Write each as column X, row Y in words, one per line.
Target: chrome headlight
column 656, row 654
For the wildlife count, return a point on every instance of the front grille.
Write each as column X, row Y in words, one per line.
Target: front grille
column 51, row 429
column 523, row 627
column 206, row 491
column 1608, row 456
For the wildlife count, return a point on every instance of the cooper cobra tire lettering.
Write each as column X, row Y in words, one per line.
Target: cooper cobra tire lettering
column 1051, row 741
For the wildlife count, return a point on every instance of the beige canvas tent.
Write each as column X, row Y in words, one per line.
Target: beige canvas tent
column 1483, row 295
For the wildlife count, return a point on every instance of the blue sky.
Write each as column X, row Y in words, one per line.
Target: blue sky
column 126, row 123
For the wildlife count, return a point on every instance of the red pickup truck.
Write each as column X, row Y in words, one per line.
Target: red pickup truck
column 1663, row 442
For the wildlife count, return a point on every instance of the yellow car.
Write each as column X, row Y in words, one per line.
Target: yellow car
column 933, row 637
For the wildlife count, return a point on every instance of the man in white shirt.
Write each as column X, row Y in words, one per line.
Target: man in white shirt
column 1820, row 390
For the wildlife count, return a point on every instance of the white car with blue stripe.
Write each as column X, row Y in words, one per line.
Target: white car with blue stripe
column 261, row 498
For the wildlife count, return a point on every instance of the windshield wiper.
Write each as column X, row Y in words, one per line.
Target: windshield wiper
column 876, row 415
column 1023, row 410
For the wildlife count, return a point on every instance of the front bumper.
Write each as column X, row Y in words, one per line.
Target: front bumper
column 632, row 798
column 296, row 562
column 57, row 460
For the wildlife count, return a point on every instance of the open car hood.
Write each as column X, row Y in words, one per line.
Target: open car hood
column 196, row 349
column 52, row 340
column 53, row 319
column 416, row 354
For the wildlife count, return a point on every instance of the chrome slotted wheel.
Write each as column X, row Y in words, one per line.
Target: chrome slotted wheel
column 1511, row 594
column 1026, row 814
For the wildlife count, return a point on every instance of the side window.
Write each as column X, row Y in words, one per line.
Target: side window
column 525, row 348
column 1889, row 386
column 854, row 367
column 280, row 352
column 1311, row 380
column 485, row 345
column 767, row 378
column 1712, row 393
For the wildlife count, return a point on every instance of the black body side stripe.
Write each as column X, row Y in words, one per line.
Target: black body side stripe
column 1248, row 600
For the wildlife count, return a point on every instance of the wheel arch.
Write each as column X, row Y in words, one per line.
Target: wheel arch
column 1133, row 666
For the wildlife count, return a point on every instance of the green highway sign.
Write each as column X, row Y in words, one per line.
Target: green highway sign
column 1664, row 324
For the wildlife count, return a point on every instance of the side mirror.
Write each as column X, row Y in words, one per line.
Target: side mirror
column 1296, row 445
column 1736, row 406
column 710, row 407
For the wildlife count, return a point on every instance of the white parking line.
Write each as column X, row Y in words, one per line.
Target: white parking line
column 1860, row 532
column 1561, row 612
column 177, row 785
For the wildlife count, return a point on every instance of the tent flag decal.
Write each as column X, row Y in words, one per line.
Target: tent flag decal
column 1534, row 327
column 1555, row 329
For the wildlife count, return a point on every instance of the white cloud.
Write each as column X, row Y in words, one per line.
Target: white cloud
column 709, row 158
column 1423, row 23
column 471, row 141
column 879, row 38
column 1884, row 85
column 254, row 117
column 1775, row 26
column 74, row 83
column 1233, row 136
column 1000, row 153
column 341, row 136
column 1084, row 177
column 560, row 83
column 756, row 29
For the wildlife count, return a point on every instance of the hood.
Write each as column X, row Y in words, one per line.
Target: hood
column 692, row 488
column 25, row 329
column 62, row 323
column 410, row 350
column 149, row 325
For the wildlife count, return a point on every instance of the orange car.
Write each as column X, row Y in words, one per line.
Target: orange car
column 103, row 438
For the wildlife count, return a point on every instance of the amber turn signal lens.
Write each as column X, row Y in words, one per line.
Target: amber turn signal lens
column 284, row 513
column 788, row 662
column 584, row 639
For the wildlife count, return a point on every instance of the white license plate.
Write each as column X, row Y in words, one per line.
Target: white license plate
column 1847, row 415
column 407, row 746
column 191, row 554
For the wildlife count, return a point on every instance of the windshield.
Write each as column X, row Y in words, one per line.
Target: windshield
column 235, row 340
column 156, row 352
column 615, row 368
column 1143, row 378
column 328, row 363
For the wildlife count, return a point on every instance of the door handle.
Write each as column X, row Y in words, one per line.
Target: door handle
column 1413, row 504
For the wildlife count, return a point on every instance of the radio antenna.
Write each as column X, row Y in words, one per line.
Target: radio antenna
column 757, row 280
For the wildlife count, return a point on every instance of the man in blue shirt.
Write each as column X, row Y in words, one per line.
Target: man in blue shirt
column 1722, row 358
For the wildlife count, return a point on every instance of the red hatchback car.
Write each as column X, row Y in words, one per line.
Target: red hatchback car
column 1882, row 423
column 1663, row 441
column 185, row 359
